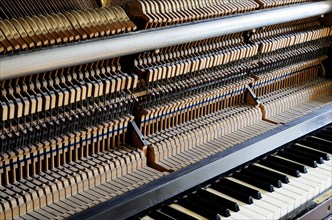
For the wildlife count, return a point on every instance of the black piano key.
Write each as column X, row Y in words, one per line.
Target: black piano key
column 289, row 164
column 253, row 181
column 241, row 188
column 323, row 135
column 281, row 168
column 216, row 207
column 298, row 158
column 314, row 157
column 232, row 192
column 316, row 145
column 269, row 179
column 310, row 151
column 326, row 131
column 281, row 177
column 326, row 134
column 197, row 208
column 160, row 215
column 323, row 144
column 319, row 140
column 176, row 213
column 218, row 200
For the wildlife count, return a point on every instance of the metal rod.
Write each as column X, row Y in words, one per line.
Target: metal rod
column 64, row 56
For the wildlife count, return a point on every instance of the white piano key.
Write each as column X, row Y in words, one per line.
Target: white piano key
column 327, row 165
column 313, row 182
column 296, row 182
column 309, row 177
column 312, row 176
column 319, row 174
column 280, row 208
column 309, row 180
column 187, row 211
column 276, row 212
column 309, row 190
column 298, row 199
column 325, row 170
column 301, row 195
column 147, row 218
column 245, row 209
column 237, row 215
column 316, row 175
column 293, row 185
column 293, row 199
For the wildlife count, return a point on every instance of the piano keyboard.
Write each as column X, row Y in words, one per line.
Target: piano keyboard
column 277, row 185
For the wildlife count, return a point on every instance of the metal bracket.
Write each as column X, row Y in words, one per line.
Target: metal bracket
column 136, row 137
column 251, row 97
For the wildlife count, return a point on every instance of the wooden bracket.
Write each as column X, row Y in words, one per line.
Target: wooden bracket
column 251, row 97
column 136, row 138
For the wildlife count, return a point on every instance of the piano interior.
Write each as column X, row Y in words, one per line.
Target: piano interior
column 78, row 141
